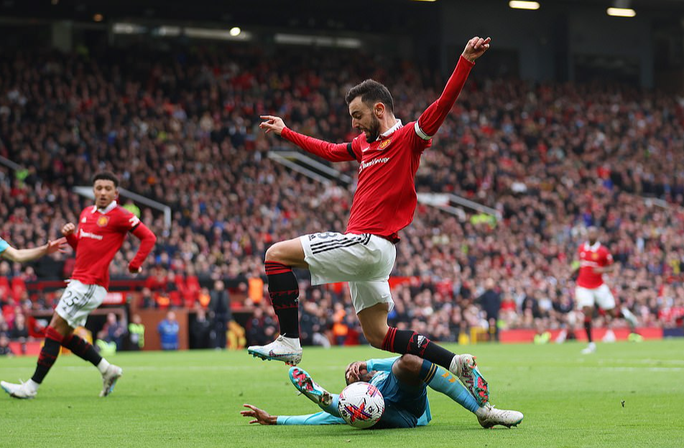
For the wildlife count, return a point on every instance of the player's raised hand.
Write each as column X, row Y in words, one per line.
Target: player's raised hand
column 68, row 229
column 134, row 269
column 476, row 47
column 58, row 245
column 260, row 416
column 272, row 123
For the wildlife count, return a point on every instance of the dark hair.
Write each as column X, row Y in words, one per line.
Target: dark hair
column 371, row 92
column 106, row 175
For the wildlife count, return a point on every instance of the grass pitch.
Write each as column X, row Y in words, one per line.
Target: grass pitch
column 194, row 398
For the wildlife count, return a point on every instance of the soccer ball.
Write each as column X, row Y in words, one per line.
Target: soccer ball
column 361, row 405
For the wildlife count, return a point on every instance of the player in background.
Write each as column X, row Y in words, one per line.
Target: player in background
column 403, row 383
column 23, row 255
column 384, row 203
column 101, row 231
column 594, row 261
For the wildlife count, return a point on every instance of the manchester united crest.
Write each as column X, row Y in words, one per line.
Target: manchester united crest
column 385, row 144
column 594, row 256
column 102, row 221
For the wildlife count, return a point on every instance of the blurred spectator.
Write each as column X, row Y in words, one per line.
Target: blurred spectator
column 19, row 331
column 136, row 333
column 168, row 332
column 261, row 327
column 201, row 335
column 219, row 307
column 236, row 336
column 340, row 328
column 490, row 300
column 5, row 349
column 113, row 331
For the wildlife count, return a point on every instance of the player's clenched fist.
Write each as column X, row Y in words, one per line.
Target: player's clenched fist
column 475, row 48
column 68, row 229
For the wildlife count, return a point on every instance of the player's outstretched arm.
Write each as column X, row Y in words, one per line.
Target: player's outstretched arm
column 147, row 242
column 334, row 152
column 259, row 415
column 24, row 255
column 433, row 117
column 264, row 418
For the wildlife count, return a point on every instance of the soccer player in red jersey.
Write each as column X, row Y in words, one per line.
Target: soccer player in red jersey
column 388, row 153
column 101, row 232
column 594, row 261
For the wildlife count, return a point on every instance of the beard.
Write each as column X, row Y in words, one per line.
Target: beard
column 373, row 131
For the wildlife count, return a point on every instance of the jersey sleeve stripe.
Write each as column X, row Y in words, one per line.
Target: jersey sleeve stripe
column 421, row 133
column 350, row 150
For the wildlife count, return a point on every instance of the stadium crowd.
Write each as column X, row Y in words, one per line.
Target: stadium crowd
column 181, row 128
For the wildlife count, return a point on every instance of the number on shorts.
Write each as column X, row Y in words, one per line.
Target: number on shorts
column 326, row 235
column 69, row 298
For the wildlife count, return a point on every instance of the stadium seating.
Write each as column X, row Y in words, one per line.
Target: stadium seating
column 550, row 158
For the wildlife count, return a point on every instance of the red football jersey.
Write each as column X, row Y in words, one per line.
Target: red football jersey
column 592, row 257
column 99, row 236
column 385, row 197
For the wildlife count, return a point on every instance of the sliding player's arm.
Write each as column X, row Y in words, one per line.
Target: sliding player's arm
column 334, row 152
column 381, row 364
column 264, row 418
column 433, row 117
column 363, row 370
column 24, row 255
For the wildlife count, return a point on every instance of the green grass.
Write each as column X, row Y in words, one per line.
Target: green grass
column 194, row 398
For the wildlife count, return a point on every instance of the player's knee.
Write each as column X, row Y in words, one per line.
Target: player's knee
column 410, row 363
column 275, row 253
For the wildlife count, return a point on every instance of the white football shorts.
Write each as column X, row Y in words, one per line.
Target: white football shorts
column 365, row 261
column 78, row 301
column 600, row 296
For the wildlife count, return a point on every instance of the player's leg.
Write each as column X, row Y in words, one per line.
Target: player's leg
column 588, row 312
column 74, row 311
column 443, row 381
column 303, row 382
column 72, row 299
column 373, row 321
column 604, row 300
column 330, row 257
column 584, row 299
column 54, row 335
column 283, row 289
column 631, row 319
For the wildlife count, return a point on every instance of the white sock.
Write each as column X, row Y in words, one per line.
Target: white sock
column 103, row 366
column 32, row 385
column 453, row 367
column 293, row 342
